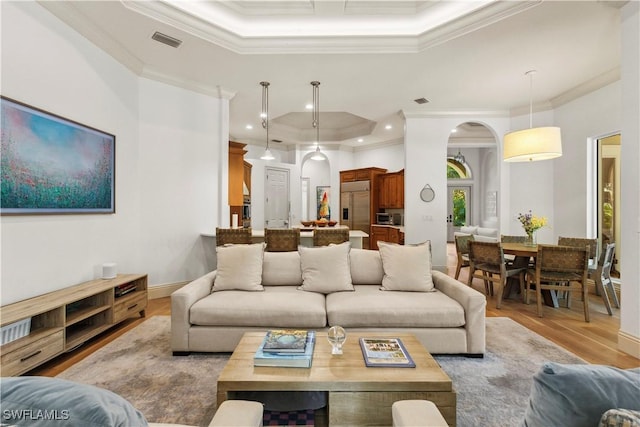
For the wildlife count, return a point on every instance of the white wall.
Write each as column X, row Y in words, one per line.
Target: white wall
column 425, row 164
column 629, row 336
column 170, row 163
column 531, row 185
column 589, row 117
column 49, row 66
column 389, row 157
column 177, row 170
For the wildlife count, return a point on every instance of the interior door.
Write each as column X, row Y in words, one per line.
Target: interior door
column 458, row 208
column 277, row 204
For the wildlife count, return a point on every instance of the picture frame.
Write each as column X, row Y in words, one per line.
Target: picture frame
column 323, row 202
column 53, row 165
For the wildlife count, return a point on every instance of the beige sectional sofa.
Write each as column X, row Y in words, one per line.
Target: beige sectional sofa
column 309, row 289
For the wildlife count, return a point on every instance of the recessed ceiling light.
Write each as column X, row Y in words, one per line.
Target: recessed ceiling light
column 248, row 127
column 360, row 140
column 454, row 130
column 309, row 106
column 388, row 127
column 421, row 100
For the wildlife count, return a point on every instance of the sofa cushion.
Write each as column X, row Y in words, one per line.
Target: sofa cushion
column 239, row 267
column 578, row 395
column 68, row 404
column 325, row 269
column 488, row 232
column 366, row 267
column 277, row 306
column 468, row 229
column 281, row 269
column 368, row 306
column 406, row 267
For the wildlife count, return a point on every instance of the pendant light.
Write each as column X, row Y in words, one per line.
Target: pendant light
column 264, row 115
column 315, row 121
column 459, row 157
column 532, row 144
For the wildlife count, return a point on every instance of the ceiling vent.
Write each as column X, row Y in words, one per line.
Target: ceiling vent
column 168, row 40
column 277, row 141
column 421, row 100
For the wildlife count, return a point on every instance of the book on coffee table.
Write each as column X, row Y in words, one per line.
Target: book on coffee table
column 287, row 359
column 285, row 341
column 385, row 352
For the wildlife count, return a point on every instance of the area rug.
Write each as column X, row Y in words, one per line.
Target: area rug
column 139, row 365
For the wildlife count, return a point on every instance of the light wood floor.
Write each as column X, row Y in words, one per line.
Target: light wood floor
column 595, row 342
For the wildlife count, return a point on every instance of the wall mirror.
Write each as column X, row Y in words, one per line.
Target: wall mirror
column 427, row 194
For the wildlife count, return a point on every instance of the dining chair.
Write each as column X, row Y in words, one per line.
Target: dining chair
column 462, row 251
column 282, row 239
column 326, row 236
column 505, row 238
column 580, row 242
column 602, row 278
column 226, row 236
column 486, row 262
column 560, row 268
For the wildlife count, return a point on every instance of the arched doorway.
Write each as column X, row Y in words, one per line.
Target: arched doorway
column 472, row 177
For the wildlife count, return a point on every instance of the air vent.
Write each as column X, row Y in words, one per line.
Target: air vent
column 421, row 100
column 168, row 40
column 276, row 140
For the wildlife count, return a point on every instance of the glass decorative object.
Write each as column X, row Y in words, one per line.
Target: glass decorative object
column 336, row 336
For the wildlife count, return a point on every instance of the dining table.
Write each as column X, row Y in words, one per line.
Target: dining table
column 524, row 254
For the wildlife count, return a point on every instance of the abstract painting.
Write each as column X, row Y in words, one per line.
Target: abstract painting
column 53, row 165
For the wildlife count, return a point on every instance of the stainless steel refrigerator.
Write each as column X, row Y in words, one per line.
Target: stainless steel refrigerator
column 355, row 200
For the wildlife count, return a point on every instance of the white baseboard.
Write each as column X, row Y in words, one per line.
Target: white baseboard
column 161, row 291
column 629, row 344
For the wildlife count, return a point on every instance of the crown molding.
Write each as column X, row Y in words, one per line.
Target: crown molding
column 367, row 41
column 589, row 86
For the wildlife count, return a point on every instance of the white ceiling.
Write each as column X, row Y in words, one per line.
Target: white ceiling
column 372, row 57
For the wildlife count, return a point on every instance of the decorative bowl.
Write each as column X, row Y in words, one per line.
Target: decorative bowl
column 332, row 223
column 306, row 223
column 321, row 223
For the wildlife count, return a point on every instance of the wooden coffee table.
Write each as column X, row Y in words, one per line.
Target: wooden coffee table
column 357, row 395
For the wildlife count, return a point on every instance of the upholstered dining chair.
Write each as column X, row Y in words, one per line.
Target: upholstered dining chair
column 232, row 235
column 281, row 239
column 486, row 262
column 560, row 268
column 326, row 236
column 462, row 251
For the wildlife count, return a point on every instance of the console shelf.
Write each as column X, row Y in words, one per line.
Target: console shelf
column 64, row 319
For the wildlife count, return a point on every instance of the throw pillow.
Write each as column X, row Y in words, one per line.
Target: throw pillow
column 578, row 395
column 42, row 401
column 406, row 267
column 239, row 267
column 620, row 418
column 325, row 269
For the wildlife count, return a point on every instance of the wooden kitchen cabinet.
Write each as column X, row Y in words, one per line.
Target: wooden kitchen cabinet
column 385, row 233
column 391, row 190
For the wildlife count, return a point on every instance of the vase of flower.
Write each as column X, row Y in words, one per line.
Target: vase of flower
column 531, row 239
column 531, row 224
